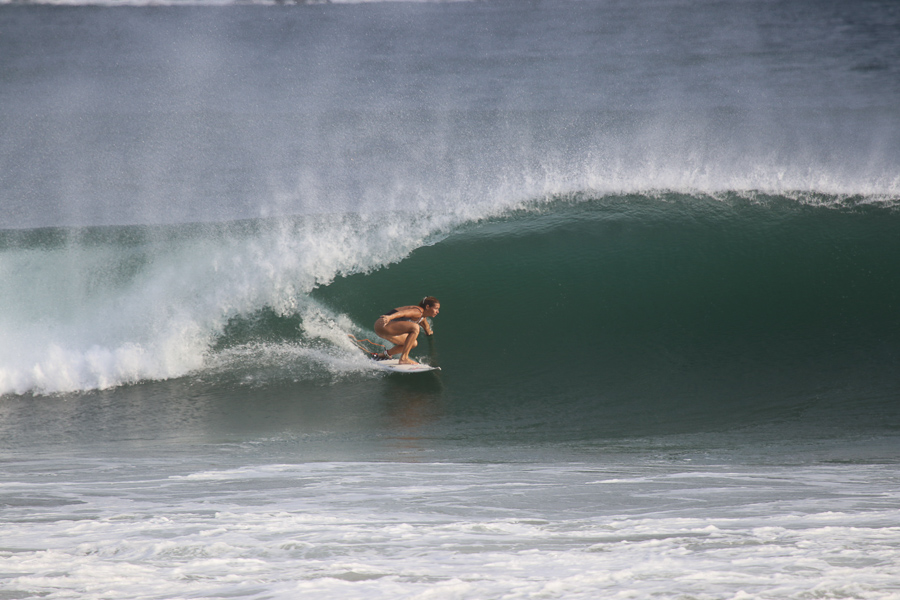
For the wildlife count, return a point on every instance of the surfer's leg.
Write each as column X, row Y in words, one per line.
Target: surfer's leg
column 402, row 334
column 398, row 342
column 410, row 343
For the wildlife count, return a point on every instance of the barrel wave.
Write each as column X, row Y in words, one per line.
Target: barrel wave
column 581, row 314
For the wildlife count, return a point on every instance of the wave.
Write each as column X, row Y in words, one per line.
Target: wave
column 630, row 296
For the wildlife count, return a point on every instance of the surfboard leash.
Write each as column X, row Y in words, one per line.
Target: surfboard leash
column 359, row 345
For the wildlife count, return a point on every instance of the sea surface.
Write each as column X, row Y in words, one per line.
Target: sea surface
column 665, row 235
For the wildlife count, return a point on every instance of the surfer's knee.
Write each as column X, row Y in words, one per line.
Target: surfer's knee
column 412, row 337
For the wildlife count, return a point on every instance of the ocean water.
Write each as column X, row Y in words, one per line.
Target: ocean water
column 665, row 237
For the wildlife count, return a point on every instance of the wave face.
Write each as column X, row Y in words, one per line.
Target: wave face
column 666, row 311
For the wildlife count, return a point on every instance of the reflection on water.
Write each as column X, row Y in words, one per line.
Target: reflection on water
column 413, row 403
column 186, row 412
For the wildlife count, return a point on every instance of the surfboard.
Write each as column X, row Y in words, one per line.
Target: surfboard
column 393, row 365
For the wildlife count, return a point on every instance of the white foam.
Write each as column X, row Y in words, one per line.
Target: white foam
column 104, row 328
column 443, row 530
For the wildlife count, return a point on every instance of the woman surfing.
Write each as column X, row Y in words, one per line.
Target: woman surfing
column 401, row 327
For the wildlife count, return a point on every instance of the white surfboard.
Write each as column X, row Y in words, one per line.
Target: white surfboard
column 393, row 364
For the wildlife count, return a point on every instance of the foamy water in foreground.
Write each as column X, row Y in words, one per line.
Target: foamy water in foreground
column 105, row 529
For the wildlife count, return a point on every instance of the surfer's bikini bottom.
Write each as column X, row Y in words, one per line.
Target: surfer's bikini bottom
column 417, row 321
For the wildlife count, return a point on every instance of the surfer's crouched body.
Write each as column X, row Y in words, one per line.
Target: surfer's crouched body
column 401, row 327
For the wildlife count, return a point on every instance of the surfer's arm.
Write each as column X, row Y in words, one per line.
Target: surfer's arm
column 427, row 327
column 408, row 312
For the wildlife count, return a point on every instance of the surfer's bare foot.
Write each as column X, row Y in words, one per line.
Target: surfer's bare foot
column 407, row 361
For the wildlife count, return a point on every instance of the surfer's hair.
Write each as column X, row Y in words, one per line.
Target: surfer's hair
column 428, row 301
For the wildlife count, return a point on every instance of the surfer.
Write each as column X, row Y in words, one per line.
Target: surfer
column 401, row 327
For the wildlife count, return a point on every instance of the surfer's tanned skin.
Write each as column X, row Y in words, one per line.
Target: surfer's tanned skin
column 401, row 327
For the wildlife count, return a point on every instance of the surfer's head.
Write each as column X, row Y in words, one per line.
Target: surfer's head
column 430, row 305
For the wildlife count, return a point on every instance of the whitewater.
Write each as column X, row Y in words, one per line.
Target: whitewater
column 664, row 238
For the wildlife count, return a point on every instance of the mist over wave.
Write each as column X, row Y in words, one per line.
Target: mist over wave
column 141, row 115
